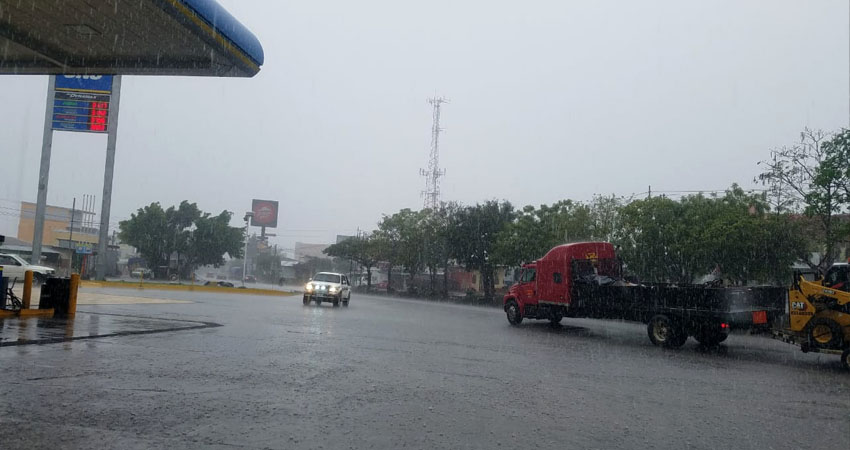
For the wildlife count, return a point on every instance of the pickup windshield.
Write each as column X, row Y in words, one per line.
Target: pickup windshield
column 327, row 277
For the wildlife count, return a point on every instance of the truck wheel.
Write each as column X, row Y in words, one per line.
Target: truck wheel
column 663, row 333
column 306, row 300
column 513, row 313
column 555, row 318
column 825, row 333
column 38, row 279
column 845, row 359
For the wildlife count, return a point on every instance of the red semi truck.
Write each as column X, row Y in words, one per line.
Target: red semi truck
column 586, row 280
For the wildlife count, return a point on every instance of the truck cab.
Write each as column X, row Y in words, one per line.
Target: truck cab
column 545, row 286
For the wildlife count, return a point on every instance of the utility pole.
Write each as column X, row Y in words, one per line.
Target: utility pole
column 433, row 173
column 71, row 235
column 248, row 216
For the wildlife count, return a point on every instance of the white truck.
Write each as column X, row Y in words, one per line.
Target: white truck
column 14, row 267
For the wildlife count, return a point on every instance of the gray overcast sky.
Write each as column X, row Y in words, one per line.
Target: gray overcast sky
column 549, row 100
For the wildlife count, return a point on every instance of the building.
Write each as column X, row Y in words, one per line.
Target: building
column 57, row 226
column 304, row 251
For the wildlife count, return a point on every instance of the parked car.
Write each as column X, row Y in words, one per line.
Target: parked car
column 14, row 267
column 328, row 287
column 141, row 272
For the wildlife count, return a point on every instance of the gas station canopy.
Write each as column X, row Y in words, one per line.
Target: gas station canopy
column 125, row 37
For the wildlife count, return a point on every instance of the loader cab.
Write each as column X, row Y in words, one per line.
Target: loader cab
column 838, row 277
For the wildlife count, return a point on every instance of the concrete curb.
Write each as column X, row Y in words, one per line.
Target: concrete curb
column 182, row 287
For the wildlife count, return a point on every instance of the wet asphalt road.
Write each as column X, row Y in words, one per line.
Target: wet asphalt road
column 390, row 373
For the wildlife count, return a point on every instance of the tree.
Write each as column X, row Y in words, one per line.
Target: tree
column 473, row 236
column 147, row 230
column 361, row 249
column 400, row 242
column 185, row 230
column 178, row 221
column 212, row 238
column 813, row 175
column 665, row 240
column 536, row 230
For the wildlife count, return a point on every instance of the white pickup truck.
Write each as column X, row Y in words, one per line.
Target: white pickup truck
column 14, row 267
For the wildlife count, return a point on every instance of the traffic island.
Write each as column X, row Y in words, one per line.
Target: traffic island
column 184, row 287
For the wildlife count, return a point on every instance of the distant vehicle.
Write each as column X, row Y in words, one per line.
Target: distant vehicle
column 250, row 279
column 328, row 287
column 141, row 272
column 15, row 267
column 219, row 283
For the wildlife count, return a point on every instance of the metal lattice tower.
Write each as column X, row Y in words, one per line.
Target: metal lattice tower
column 432, row 174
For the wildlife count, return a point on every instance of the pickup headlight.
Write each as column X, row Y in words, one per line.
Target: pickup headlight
column 332, row 289
column 309, row 287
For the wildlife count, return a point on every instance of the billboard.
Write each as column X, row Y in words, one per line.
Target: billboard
column 265, row 213
column 81, row 103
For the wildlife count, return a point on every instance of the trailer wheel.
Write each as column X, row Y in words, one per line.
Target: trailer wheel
column 663, row 333
column 513, row 312
column 825, row 333
column 845, row 359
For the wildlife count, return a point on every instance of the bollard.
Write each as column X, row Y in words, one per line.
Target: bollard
column 27, row 298
column 72, row 299
column 141, row 279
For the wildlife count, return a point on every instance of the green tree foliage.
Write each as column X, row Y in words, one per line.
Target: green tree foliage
column 364, row 250
column 212, row 238
column 536, row 230
column 473, row 235
column 400, row 241
column 666, row 240
column 147, row 230
column 198, row 237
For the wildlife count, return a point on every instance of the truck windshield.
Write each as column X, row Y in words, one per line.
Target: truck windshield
column 528, row 275
column 327, row 277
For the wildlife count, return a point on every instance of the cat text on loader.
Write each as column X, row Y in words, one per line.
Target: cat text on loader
column 819, row 313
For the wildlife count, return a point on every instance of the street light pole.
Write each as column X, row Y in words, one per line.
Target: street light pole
column 248, row 216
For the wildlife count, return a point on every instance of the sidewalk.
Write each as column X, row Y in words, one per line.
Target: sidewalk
column 93, row 298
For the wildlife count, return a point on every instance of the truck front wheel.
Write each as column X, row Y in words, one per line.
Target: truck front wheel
column 513, row 312
column 664, row 333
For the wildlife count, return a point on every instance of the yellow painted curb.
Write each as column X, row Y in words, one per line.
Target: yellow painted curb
column 4, row 313
column 182, row 287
